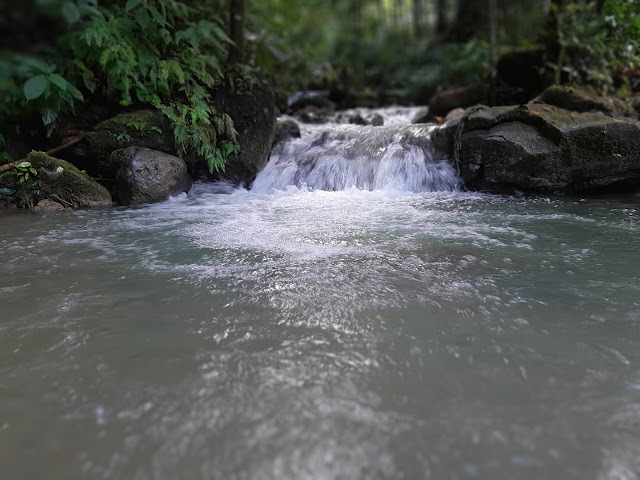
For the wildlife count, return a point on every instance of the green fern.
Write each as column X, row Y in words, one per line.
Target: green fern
column 166, row 53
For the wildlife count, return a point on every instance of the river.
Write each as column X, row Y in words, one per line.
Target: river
column 302, row 333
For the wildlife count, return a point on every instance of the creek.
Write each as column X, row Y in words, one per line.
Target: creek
column 354, row 315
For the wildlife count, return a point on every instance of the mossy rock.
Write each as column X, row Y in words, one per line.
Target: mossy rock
column 539, row 148
column 141, row 128
column 586, row 99
column 65, row 184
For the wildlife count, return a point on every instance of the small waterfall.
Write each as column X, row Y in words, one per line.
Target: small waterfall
column 337, row 157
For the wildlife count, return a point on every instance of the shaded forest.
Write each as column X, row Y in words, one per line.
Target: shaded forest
column 62, row 59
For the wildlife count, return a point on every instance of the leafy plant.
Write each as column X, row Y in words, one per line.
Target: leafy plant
column 4, row 156
column 23, row 171
column 167, row 53
column 596, row 44
column 143, row 127
column 123, row 137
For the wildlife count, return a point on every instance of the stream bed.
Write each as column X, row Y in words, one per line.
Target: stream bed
column 322, row 335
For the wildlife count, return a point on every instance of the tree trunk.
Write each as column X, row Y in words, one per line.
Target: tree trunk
column 236, row 30
column 417, row 18
column 493, row 53
column 471, row 21
column 441, row 7
column 397, row 8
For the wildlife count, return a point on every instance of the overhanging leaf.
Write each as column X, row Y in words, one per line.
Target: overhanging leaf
column 131, row 4
column 71, row 12
column 142, row 17
column 34, row 87
column 58, row 81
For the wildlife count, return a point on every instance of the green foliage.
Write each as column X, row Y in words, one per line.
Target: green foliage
column 22, row 172
column 4, row 156
column 29, row 84
column 143, row 127
column 166, row 53
column 598, row 44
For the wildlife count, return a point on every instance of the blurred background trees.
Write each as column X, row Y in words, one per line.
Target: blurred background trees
column 59, row 54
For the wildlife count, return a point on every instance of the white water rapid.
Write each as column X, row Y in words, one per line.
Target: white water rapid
column 335, row 156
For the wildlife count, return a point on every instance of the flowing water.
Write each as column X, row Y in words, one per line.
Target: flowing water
column 386, row 331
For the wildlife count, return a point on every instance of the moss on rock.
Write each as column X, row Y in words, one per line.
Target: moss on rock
column 585, row 99
column 65, row 184
column 140, row 128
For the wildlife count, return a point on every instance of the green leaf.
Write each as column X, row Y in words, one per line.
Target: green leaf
column 7, row 191
column 157, row 16
column 34, row 87
column 71, row 12
column 131, row 4
column 142, row 17
column 77, row 93
column 58, row 81
column 33, row 170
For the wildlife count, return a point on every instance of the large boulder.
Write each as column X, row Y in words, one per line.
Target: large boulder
column 148, row 176
column 252, row 109
column 583, row 99
column 543, row 149
column 141, row 128
column 443, row 102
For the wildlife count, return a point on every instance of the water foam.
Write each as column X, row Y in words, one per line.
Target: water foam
column 337, row 157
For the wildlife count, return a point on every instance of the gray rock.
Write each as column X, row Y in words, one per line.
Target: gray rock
column 142, row 128
column 148, row 176
column 543, row 149
column 285, row 131
column 47, row 205
column 377, row 120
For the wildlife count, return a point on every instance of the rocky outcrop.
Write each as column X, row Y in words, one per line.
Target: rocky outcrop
column 63, row 183
column 543, row 149
column 583, row 99
column 142, row 128
column 148, row 176
column 253, row 113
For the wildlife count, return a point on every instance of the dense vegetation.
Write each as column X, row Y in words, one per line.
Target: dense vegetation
column 62, row 54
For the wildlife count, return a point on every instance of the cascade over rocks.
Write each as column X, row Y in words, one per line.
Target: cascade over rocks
column 148, row 176
column 543, row 149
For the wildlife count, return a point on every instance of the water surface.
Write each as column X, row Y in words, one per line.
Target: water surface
column 312, row 334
